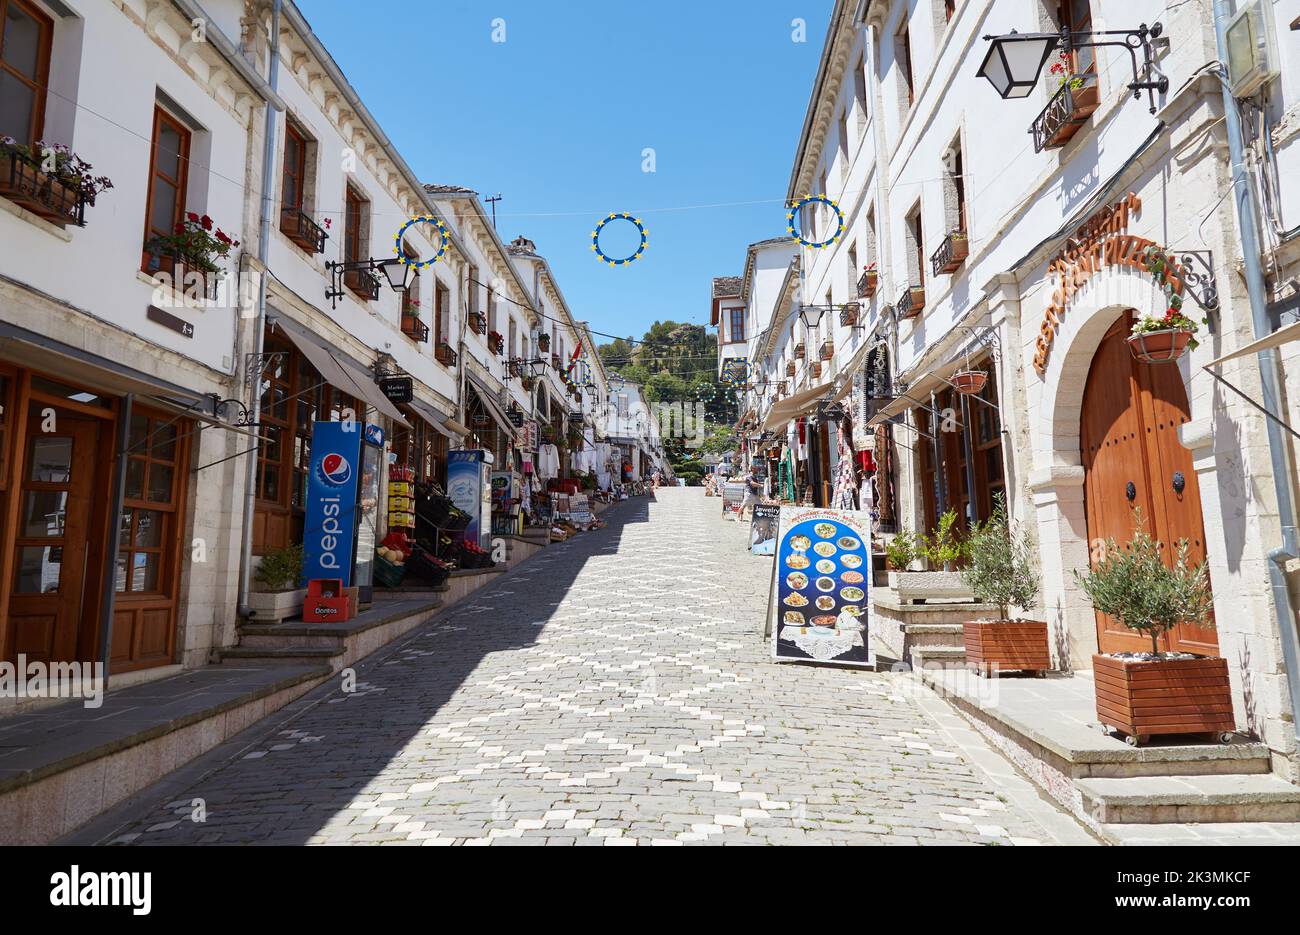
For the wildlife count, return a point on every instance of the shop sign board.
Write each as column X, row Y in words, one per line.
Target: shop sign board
column 330, row 529
column 398, row 389
column 817, row 605
column 762, row 528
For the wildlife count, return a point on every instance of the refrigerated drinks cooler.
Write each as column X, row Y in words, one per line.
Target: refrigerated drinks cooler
column 507, row 519
column 342, row 510
column 469, row 485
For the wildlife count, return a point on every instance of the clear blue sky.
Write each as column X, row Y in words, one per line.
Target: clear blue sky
column 556, row 117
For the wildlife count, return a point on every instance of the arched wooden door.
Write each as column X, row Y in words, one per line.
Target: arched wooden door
column 1132, row 457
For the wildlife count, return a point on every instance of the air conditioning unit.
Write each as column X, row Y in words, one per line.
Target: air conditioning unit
column 1252, row 48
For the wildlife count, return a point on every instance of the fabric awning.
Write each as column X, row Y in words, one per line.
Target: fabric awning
column 795, row 406
column 443, row 424
column 489, row 400
column 1279, row 337
column 339, row 370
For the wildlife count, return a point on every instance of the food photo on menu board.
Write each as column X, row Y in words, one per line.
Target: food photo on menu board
column 820, row 587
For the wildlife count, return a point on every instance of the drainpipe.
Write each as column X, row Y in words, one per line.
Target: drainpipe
column 259, row 325
column 109, row 587
column 1270, row 383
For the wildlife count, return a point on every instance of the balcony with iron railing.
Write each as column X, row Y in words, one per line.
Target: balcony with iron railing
column 1067, row 111
column 302, row 230
column 59, row 200
column 911, row 303
column 951, row 254
column 868, row 283
column 363, row 283
column 414, row 329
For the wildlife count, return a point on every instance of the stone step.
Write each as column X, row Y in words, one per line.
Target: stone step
column 942, row 635
column 1234, row 833
column 938, row 656
column 282, row 655
column 1207, row 798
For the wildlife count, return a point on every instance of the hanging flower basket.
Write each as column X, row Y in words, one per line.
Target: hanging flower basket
column 1161, row 347
column 969, row 382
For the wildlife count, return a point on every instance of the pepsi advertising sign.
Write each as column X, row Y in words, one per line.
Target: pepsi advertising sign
column 329, row 534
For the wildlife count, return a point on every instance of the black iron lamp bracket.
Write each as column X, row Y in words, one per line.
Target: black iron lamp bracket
column 1198, row 277
column 241, row 414
column 256, row 365
column 1143, row 38
column 338, row 269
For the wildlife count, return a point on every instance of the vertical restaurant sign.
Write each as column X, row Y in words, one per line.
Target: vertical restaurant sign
column 818, row 605
column 330, row 527
column 762, row 528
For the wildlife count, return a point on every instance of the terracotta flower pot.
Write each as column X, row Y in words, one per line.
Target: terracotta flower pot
column 1160, row 347
column 1006, row 644
column 969, row 382
column 1143, row 698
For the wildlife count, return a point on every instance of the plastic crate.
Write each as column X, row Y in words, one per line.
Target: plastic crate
column 387, row 574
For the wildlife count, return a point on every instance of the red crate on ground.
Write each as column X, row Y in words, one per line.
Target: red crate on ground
column 326, row 601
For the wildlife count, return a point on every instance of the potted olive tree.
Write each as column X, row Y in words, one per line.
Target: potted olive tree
column 941, row 549
column 1157, row 692
column 1000, row 570
column 277, row 594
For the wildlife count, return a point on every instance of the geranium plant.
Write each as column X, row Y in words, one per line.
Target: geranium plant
column 1134, row 585
column 197, row 241
column 1062, row 71
column 60, row 162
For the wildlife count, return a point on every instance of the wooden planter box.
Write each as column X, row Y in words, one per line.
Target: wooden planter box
column 182, row 275
column 477, row 322
column 1006, row 644
column 828, row 350
column 444, row 355
column 1143, row 698
column 791, row 368
column 868, row 284
column 912, row 302
column 799, row 351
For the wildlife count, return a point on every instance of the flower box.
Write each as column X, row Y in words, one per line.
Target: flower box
column 477, row 322
column 827, row 350
column 924, row 586
column 496, row 343
column 60, row 196
column 849, row 315
column 799, row 351
column 265, row 607
column 555, row 361
column 1004, row 645
column 414, row 329
column 815, row 369
column 302, row 230
column 912, row 302
column 951, row 253
column 790, row 368
column 868, row 283
column 544, row 343
column 444, row 355
column 1145, row 697
column 1068, row 110
column 190, row 281
column 1160, row 347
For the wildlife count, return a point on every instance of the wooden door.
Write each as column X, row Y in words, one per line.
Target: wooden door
column 1132, row 457
column 50, row 567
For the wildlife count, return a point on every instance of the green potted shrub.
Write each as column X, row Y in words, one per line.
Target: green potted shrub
column 940, row 549
column 1157, row 692
column 277, row 593
column 1000, row 570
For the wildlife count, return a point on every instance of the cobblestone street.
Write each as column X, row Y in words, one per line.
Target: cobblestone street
column 613, row 690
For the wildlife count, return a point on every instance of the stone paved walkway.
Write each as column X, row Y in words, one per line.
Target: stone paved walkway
column 613, row 690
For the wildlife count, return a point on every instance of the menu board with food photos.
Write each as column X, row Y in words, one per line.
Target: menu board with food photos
column 817, row 611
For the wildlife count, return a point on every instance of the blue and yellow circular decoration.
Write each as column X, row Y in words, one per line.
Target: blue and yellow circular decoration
column 793, row 213
column 616, row 383
column 624, row 216
column 444, row 237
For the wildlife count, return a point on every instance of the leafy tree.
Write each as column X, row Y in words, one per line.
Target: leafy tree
column 1000, row 566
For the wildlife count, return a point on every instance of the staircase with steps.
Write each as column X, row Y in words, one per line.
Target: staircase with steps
column 1165, row 792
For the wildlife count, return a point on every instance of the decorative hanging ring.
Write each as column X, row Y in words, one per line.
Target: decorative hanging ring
column 444, row 238
column 792, row 217
column 612, row 386
column 635, row 255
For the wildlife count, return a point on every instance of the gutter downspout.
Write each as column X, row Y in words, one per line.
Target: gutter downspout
column 259, row 326
column 1270, row 383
